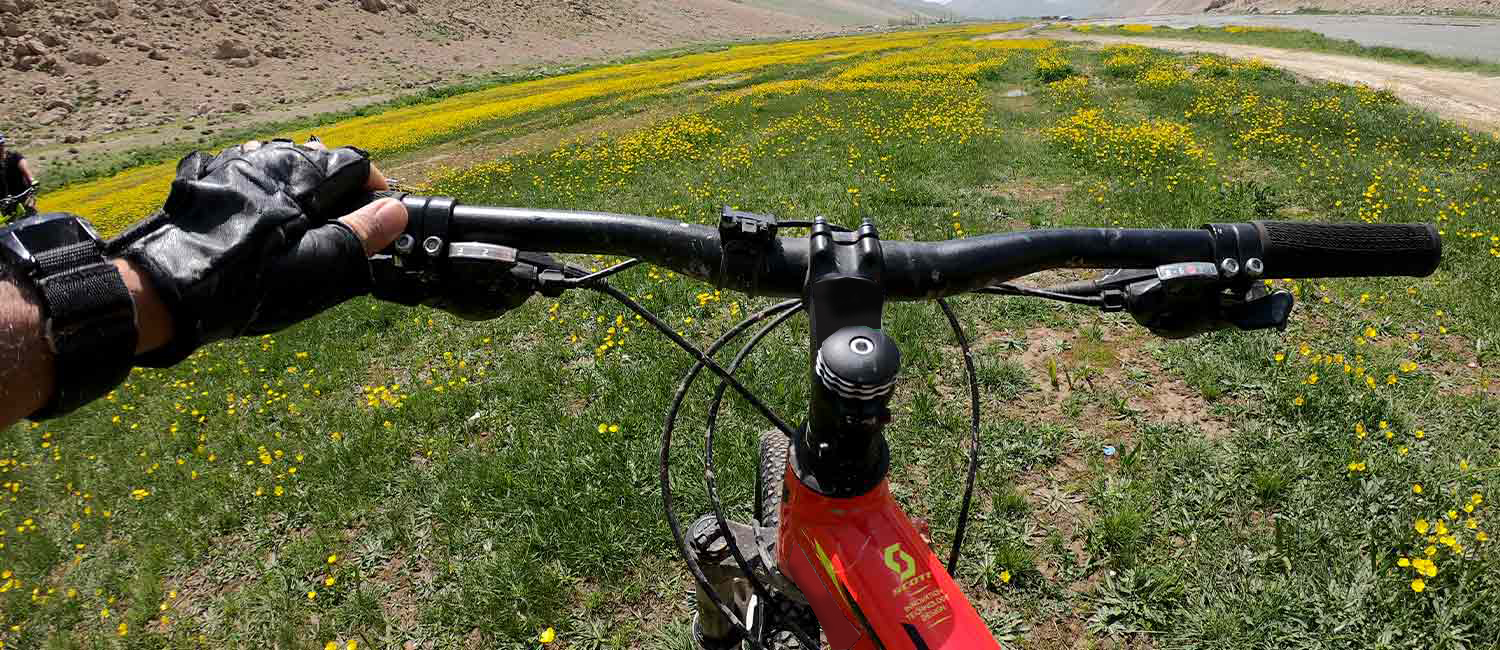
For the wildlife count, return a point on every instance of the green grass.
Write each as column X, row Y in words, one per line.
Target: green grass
column 460, row 473
column 1311, row 41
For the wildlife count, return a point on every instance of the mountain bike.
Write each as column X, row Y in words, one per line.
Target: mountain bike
column 830, row 556
column 20, row 205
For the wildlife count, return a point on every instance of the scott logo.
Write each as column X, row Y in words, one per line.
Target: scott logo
column 900, row 563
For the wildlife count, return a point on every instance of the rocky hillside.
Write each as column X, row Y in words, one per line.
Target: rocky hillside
column 141, row 72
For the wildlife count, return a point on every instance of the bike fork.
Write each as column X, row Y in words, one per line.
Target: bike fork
column 712, row 629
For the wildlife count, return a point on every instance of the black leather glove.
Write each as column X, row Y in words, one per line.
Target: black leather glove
column 248, row 242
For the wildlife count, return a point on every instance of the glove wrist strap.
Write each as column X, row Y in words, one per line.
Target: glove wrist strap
column 90, row 324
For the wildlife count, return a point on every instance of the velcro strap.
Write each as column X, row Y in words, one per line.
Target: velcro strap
column 90, row 324
column 60, row 259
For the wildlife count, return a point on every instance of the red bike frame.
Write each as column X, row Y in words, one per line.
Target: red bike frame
column 869, row 576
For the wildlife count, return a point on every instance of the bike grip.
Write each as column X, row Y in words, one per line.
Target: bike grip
column 1293, row 249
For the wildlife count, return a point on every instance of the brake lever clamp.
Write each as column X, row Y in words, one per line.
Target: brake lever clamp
column 472, row 280
column 1191, row 298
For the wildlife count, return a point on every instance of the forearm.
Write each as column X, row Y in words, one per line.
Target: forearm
column 25, row 360
column 26, row 366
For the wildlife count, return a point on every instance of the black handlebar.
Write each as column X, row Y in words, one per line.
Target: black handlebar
column 922, row 270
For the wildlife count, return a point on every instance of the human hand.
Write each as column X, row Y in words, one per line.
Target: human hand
column 253, row 240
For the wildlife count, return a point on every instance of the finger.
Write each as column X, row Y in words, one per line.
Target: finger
column 377, row 180
column 314, row 143
column 250, row 146
column 378, row 224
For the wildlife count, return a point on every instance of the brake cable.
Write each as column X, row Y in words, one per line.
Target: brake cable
column 704, row 359
column 1030, row 292
column 963, row 510
column 710, row 469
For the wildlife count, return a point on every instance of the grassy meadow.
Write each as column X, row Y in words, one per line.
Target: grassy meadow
column 384, row 477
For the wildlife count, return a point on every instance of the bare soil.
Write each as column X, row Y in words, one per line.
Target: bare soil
column 1422, row 7
column 1464, row 97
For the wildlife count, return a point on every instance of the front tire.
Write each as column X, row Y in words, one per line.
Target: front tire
column 770, row 487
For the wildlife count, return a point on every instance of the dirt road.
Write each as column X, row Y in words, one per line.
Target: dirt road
column 1463, row 97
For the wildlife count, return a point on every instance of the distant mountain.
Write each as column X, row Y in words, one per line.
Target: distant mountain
column 1016, row 8
column 853, row 12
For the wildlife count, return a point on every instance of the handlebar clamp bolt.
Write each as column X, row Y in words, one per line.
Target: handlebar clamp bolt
column 405, row 244
column 1229, row 267
column 433, row 245
column 1254, row 267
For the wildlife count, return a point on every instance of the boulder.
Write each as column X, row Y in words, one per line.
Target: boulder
column 156, row 55
column 231, row 49
column 60, row 105
column 373, row 6
column 211, row 9
column 12, row 28
column 247, row 62
column 239, row 107
column 30, row 47
column 51, row 117
column 16, row 7
column 106, row 9
column 91, row 58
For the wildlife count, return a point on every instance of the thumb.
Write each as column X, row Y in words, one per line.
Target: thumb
column 378, row 224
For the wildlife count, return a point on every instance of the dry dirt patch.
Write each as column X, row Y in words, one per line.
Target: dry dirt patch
column 1464, row 97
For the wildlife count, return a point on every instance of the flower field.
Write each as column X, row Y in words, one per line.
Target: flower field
column 390, row 477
